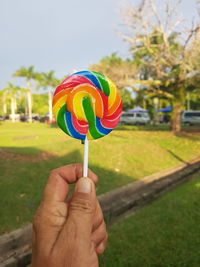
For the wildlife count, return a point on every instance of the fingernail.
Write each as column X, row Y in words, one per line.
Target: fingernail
column 84, row 185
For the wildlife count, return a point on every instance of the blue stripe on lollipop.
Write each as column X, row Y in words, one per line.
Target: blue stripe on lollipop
column 70, row 126
column 90, row 77
column 102, row 129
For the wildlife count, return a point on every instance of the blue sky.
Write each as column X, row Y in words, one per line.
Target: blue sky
column 60, row 34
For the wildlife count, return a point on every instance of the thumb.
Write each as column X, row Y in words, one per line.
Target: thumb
column 81, row 211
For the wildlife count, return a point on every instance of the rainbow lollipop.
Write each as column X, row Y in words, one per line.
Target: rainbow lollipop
column 86, row 105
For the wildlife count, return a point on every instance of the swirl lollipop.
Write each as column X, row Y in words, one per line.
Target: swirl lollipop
column 86, row 105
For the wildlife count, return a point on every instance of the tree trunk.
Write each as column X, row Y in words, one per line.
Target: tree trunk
column 188, row 101
column 4, row 106
column 29, row 102
column 15, row 105
column 12, row 109
column 26, row 106
column 4, row 109
column 178, row 104
column 176, row 118
column 50, row 105
column 155, row 115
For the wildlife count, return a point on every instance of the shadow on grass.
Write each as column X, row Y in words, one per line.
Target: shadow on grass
column 23, row 178
column 26, row 152
column 192, row 129
column 177, row 157
column 192, row 135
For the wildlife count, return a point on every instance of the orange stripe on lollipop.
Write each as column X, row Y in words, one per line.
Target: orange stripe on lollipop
column 59, row 95
column 87, row 91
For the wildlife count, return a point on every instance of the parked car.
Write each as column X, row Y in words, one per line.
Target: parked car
column 44, row 119
column 14, row 117
column 135, row 118
column 190, row 117
column 25, row 117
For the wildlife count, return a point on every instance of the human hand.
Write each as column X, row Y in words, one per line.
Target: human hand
column 68, row 233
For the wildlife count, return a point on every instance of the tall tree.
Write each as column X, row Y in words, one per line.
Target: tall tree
column 12, row 92
column 4, row 100
column 117, row 69
column 48, row 81
column 125, row 73
column 29, row 74
column 159, row 52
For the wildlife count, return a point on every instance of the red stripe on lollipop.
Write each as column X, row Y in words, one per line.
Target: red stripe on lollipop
column 80, row 126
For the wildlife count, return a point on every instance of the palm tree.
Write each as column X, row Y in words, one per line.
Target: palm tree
column 12, row 92
column 48, row 81
column 29, row 74
column 4, row 98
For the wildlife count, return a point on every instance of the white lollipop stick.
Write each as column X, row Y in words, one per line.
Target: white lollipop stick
column 85, row 159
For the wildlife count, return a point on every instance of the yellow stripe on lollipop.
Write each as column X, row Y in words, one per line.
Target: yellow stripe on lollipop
column 74, row 101
column 89, row 137
column 77, row 105
column 59, row 104
column 112, row 96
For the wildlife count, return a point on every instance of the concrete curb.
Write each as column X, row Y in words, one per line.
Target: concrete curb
column 15, row 247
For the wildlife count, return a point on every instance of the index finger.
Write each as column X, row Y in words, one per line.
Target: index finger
column 57, row 187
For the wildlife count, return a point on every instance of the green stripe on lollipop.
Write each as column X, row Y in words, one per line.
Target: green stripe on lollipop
column 103, row 81
column 89, row 113
column 61, row 119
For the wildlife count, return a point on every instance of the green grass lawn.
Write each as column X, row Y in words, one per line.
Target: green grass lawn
column 29, row 151
column 166, row 233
